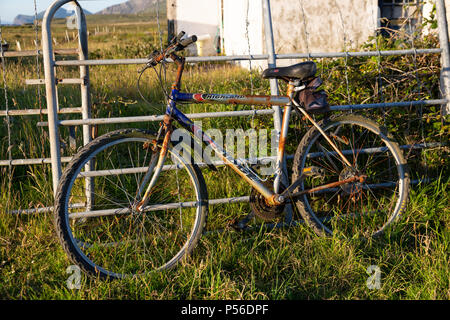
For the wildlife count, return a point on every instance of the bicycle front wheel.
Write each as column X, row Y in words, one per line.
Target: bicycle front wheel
column 95, row 214
column 365, row 207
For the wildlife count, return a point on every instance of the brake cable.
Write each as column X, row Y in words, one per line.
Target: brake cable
column 175, row 45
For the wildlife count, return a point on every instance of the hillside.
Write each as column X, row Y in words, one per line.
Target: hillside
column 62, row 13
column 131, row 7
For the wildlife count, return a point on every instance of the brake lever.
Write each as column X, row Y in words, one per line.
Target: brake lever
column 151, row 61
column 176, row 45
column 178, row 38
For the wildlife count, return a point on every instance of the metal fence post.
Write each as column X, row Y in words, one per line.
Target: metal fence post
column 50, row 89
column 84, row 71
column 268, row 33
column 85, row 95
column 271, row 61
column 445, row 56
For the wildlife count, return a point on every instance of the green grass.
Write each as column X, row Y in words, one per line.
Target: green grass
column 281, row 264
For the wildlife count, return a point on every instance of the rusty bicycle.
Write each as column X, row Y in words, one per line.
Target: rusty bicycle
column 129, row 203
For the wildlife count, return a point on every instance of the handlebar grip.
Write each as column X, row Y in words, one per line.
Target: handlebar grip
column 178, row 37
column 185, row 42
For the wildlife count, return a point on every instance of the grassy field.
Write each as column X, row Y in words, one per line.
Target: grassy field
column 280, row 264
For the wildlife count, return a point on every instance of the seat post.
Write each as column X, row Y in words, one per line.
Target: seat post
column 281, row 160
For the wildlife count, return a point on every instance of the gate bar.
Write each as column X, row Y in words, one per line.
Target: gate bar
column 50, row 88
column 31, row 112
column 33, row 53
column 50, row 82
column 445, row 56
column 318, row 55
column 241, row 113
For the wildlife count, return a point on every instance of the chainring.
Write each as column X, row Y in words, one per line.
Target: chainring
column 261, row 208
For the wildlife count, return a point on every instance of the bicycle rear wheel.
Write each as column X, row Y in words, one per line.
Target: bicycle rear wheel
column 360, row 208
column 95, row 217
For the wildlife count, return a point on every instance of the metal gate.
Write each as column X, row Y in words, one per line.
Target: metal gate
column 51, row 82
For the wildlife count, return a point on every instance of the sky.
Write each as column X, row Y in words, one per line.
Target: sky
column 9, row 9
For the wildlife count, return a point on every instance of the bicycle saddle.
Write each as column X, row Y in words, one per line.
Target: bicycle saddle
column 300, row 71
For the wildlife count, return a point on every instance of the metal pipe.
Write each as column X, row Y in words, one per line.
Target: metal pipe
column 85, row 95
column 317, row 55
column 270, row 48
column 161, row 117
column 57, row 81
column 84, row 70
column 50, row 87
column 242, row 113
column 378, row 149
column 44, row 209
column 192, row 204
column 18, row 162
column 23, row 162
column 358, row 54
column 445, row 56
column 31, row 112
column 210, row 202
column 155, row 207
column 33, row 53
column 110, row 172
column 389, row 104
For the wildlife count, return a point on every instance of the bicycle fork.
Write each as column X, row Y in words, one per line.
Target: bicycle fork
column 155, row 168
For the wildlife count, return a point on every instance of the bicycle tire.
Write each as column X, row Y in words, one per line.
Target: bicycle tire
column 81, row 236
column 325, row 211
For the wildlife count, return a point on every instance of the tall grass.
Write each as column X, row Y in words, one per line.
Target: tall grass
column 278, row 264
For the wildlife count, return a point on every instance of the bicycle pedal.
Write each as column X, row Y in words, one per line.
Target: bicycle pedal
column 313, row 171
column 233, row 224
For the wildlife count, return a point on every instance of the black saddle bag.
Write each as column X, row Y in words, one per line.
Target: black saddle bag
column 312, row 100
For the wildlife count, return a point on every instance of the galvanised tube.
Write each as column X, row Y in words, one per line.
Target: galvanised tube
column 18, row 162
column 50, row 88
column 243, row 113
column 33, row 112
column 85, row 95
column 445, row 56
column 318, row 55
column 161, row 117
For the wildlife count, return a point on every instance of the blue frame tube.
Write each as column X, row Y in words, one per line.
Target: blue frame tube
column 189, row 125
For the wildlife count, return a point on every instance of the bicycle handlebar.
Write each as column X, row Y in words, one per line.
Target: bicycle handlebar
column 178, row 37
column 175, row 45
column 184, row 43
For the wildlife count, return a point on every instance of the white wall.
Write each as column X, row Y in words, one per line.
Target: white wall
column 299, row 26
column 199, row 17
column 303, row 26
column 236, row 13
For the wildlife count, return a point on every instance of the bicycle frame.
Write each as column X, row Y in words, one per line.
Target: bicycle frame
column 173, row 113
